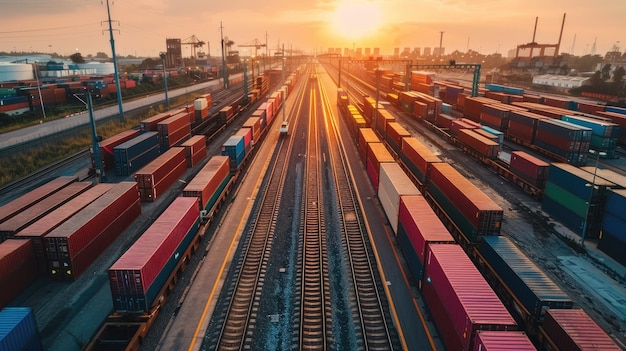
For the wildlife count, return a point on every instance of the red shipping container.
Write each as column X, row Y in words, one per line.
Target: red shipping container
column 444, row 121
column 195, row 149
column 468, row 199
column 156, row 190
column 108, row 144
column 204, row 185
column 395, row 133
column 366, row 136
column 459, row 124
column 479, row 143
column 173, row 123
column 74, row 244
column 419, row 156
column 529, row 167
column 46, row 224
column 574, row 330
column 420, row 110
column 422, row 225
column 17, row 268
column 460, row 299
column 150, row 124
column 377, row 153
column 25, row 218
column 589, row 107
column 502, row 341
column 157, row 170
column 246, row 133
column 133, row 274
column 32, row 197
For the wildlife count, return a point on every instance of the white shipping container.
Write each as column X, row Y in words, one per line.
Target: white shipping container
column 392, row 184
column 200, row 104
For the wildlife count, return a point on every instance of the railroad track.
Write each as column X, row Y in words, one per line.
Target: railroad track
column 369, row 300
column 315, row 314
column 239, row 320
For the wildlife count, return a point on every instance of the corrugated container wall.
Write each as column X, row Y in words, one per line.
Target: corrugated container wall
column 393, row 183
column 18, row 330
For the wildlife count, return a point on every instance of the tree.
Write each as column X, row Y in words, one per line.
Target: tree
column 618, row 74
column 606, row 72
column 77, row 58
column 101, row 55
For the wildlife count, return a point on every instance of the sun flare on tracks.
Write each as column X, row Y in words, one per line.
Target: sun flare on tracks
column 356, row 19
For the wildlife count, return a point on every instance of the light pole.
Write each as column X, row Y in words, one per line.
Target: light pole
column 36, row 68
column 593, row 186
column 167, row 100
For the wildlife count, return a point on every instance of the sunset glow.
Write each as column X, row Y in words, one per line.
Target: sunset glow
column 356, row 19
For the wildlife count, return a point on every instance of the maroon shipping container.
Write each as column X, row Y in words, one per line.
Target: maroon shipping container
column 420, row 109
column 25, row 218
column 415, row 154
column 150, row 124
column 157, row 170
column 473, row 106
column 366, row 136
column 195, row 149
column 589, row 107
column 108, row 144
column 46, row 224
column 161, row 173
column 133, row 274
column 475, row 206
column 34, row 196
column 395, row 133
column 422, row 225
column 459, row 298
column 502, row 341
column 529, row 168
column 574, row 330
column 77, row 242
column 459, row 124
column 444, row 121
column 377, row 153
column 17, row 268
column 522, row 126
column 174, row 129
column 204, row 185
column 479, row 143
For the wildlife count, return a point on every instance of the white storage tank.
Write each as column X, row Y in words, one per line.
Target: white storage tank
column 15, row 71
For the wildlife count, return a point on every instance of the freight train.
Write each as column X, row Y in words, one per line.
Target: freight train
column 449, row 233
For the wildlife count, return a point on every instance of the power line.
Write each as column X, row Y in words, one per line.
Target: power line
column 44, row 29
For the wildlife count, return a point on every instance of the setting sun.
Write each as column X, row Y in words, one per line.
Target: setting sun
column 356, row 19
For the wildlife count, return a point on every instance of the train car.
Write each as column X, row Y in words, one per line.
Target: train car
column 487, row 340
column 477, row 145
column 418, row 227
column 529, row 168
column 471, row 211
column 195, row 149
column 174, row 130
column 417, row 158
column 157, row 176
column 76, row 243
column 393, row 183
column 140, row 274
column 460, row 299
column 522, row 286
column 574, row 330
column 209, row 184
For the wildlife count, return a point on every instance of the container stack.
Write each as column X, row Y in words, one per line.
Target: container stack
column 18, row 330
column 484, row 146
column 201, row 108
column 569, row 141
column 225, row 114
column 613, row 239
column 254, row 124
column 604, row 134
column 195, row 149
column 569, row 197
column 174, row 130
column 381, row 118
column 136, row 153
column 418, row 158
column 522, row 126
column 157, row 176
column 235, row 149
column 107, row 145
column 495, row 116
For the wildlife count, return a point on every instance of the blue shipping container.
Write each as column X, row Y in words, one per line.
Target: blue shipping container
column 613, row 247
column 614, row 226
column 563, row 215
column 533, row 288
column 574, row 180
column 18, row 330
column 600, row 128
column 616, row 202
column 235, row 150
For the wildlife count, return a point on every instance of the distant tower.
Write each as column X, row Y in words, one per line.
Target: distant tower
column 593, row 47
column 376, row 51
column 571, row 51
column 367, row 51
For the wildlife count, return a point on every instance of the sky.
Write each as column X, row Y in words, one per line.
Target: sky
column 141, row 26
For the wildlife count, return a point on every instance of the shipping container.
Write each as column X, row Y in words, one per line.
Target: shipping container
column 195, row 150
column 393, row 183
column 534, row 290
column 32, row 197
column 474, row 213
column 529, row 168
column 150, row 124
column 76, row 243
column 417, row 157
column 395, row 132
column 25, row 218
column 460, row 299
column 377, row 153
column 107, row 145
column 254, row 124
column 156, row 177
column 485, row 147
column 18, row 330
column 418, row 227
column 522, row 126
column 246, row 133
column 502, row 341
column 137, row 277
column 574, row 179
column 574, row 330
column 46, row 224
column 174, row 130
column 366, row 136
column 234, row 148
column 210, row 182
column 136, row 153
column 18, row 268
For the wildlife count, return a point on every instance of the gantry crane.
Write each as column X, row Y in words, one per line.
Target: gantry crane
column 256, row 44
column 195, row 43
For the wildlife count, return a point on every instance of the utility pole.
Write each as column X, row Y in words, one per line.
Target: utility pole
column 117, row 76
column 224, row 72
column 440, row 44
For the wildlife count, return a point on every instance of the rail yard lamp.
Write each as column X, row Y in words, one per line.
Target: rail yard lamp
column 593, row 186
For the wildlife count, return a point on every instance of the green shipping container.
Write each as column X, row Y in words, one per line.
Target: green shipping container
column 566, row 199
